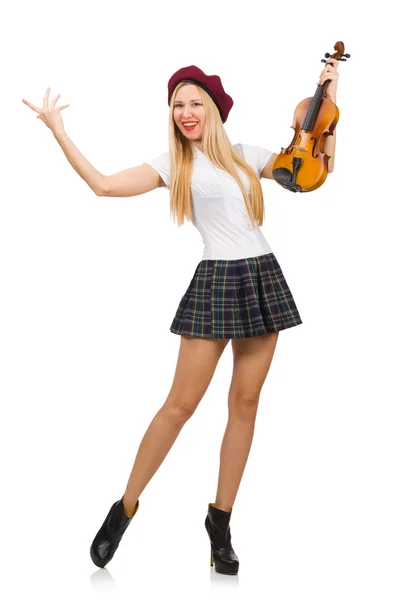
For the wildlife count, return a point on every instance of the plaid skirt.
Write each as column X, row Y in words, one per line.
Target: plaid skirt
column 238, row 298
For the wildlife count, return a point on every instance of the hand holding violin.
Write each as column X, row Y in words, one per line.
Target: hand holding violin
column 304, row 165
column 330, row 72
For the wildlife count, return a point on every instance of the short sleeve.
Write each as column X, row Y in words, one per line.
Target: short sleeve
column 255, row 156
column 161, row 164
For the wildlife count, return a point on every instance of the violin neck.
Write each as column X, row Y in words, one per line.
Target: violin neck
column 312, row 111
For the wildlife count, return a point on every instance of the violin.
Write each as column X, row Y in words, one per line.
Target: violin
column 303, row 166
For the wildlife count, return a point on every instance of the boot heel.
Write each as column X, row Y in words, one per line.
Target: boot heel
column 212, row 559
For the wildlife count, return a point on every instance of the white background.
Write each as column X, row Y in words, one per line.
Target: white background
column 90, row 285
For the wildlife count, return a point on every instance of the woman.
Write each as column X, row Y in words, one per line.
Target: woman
column 238, row 290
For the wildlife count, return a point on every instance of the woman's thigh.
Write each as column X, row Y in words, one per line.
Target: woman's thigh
column 252, row 358
column 197, row 360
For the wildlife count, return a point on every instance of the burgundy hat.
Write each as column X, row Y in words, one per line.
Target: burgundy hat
column 210, row 83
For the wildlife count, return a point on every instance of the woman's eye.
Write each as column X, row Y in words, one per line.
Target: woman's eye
column 198, row 104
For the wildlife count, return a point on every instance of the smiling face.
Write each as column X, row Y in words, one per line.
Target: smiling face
column 188, row 108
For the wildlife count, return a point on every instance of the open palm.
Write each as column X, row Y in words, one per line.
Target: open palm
column 49, row 113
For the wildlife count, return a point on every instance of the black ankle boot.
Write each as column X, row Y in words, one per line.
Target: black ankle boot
column 109, row 535
column 218, row 529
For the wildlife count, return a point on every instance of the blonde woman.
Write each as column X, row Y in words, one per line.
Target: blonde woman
column 238, row 291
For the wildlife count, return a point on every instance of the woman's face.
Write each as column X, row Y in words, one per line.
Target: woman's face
column 188, row 107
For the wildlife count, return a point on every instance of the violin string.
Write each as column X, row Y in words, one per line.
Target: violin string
column 313, row 108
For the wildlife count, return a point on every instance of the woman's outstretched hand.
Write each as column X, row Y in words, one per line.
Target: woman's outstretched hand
column 49, row 113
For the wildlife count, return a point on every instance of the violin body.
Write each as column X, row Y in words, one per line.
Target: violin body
column 303, row 166
column 307, row 149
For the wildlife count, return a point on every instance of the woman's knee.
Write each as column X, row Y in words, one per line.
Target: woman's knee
column 196, row 364
column 180, row 408
column 243, row 404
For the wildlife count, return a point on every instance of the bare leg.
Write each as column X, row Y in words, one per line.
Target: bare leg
column 196, row 365
column 233, row 458
column 155, row 445
column 252, row 360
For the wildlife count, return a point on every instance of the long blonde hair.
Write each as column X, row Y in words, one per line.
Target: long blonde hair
column 219, row 150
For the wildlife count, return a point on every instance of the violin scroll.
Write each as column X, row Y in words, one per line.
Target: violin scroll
column 339, row 54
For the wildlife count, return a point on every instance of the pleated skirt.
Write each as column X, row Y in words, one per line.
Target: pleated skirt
column 238, row 298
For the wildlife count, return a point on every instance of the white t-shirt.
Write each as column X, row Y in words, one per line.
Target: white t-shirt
column 218, row 207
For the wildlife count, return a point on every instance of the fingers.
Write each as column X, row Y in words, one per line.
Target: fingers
column 333, row 62
column 39, row 109
column 45, row 102
column 32, row 106
column 327, row 76
column 55, row 100
column 329, row 72
column 328, row 69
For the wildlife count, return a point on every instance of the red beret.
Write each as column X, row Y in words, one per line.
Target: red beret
column 210, row 83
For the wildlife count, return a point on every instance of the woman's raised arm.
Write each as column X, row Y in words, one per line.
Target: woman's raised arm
column 130, row 182
column 80, row 164
column 51, row 116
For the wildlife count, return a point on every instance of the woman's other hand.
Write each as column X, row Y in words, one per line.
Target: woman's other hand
column 49, row 113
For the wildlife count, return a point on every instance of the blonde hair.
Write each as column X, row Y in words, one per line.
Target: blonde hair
column 219, row 150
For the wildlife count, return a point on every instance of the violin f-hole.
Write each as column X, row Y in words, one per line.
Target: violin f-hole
column 313, row 147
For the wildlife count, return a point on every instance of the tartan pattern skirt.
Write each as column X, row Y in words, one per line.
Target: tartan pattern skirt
column 238, row 298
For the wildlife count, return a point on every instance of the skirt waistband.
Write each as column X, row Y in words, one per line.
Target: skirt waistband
column 237, row 260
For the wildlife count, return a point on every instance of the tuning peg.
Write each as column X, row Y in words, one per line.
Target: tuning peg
column 327, row 55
